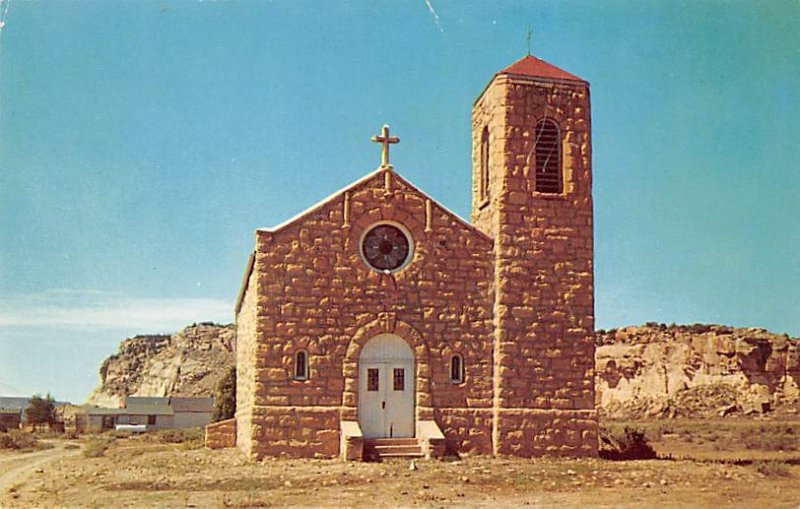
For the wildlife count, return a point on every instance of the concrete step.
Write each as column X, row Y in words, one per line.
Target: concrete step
column 397, row 449
column 402, row 455
column 380, row 448
column 391, row 441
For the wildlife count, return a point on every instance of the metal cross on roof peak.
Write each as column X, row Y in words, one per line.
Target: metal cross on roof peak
column 385, row 140
column 528, row 36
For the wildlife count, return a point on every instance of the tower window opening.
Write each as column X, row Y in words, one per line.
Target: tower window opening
column 457, row 369
column 484, row 176
column 301, row 365
column 548, row 157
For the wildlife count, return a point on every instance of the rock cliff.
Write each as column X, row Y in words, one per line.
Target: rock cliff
column 697, row 370
column 187, row 363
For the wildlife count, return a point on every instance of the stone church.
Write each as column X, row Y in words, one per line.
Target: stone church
column 377, row 322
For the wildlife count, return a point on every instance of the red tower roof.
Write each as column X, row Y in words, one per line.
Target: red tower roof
column 532, row 66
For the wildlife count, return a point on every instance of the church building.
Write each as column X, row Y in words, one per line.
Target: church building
column 379, row 323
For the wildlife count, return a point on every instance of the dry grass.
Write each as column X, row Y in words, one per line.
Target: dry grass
column 773, row 468
column 21, row 441
column 720, row 439
column 142, row 472
column 96, row 447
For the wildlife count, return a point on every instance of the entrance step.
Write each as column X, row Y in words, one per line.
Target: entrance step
column 379, row 448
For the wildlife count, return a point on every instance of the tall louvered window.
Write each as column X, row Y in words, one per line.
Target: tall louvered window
column 484, row 177
column 548, row 157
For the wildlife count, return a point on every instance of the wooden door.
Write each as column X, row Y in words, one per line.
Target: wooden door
column 386, row 388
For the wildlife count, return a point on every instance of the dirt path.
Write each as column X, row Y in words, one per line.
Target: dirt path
column 15, row 469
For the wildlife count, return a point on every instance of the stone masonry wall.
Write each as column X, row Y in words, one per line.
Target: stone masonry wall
column 316, row 293
column 245, row 365
column 222, row 434
column 544, row 308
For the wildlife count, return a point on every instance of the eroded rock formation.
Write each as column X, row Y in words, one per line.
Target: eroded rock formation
column 187, row 363
column 695, row 370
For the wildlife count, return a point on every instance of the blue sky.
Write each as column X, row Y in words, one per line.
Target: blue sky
column 142, row 142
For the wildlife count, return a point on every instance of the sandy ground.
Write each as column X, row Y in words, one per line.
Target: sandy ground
column 17, row 468
column 134, row 474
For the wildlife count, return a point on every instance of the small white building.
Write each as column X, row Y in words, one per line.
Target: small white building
column 152, row 412
column 191, row 412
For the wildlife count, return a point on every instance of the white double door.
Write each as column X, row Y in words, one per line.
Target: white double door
column 386, row 388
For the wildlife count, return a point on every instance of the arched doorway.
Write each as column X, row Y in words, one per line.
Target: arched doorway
column 386, row 382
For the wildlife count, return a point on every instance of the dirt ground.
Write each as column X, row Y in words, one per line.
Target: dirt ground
column 135, row 473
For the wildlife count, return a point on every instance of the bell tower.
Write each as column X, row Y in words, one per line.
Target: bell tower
column 532, row 192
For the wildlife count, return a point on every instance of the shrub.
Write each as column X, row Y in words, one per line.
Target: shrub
column 772, row 468
column 18, row 440
column 225, row 397
column 631, row 444
column 699, row 328
column 95, row 447
column 771, row 438
column 41, row 410
column 179, row 436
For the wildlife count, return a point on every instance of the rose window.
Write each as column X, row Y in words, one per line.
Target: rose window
column 386, row 247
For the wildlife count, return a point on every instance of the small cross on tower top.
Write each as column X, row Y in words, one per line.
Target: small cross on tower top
column 528, row 36
column 385, row 140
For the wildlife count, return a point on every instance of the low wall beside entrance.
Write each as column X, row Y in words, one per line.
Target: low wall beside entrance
column 222, row 434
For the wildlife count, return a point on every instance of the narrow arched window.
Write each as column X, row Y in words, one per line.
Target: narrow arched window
column 457, row 369
column 301, row 365
column 484, row 176
column 548, row 157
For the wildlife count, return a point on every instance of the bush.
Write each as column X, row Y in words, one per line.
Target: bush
column 771, row 438
column 179, row 436
column 41, row 410
column 631, row 444
column 225, row 397
column 190, row 438
column 699, row 328
column 95, row 447
column 18, row 440
column 772, row 468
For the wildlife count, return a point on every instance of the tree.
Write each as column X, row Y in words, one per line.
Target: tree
column 225, row 402
column 41, row 410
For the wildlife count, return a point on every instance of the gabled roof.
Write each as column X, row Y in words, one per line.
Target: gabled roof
column 14, row 403
column 146, row 409
column 361, row 181
column 142, row 405
column 97, row 410
column 146, row 400
column 188, row 404
column 538, row 68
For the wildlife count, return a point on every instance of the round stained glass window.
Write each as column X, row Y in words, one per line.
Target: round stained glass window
column 386, row 247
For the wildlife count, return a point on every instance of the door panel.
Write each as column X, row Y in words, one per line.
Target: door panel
column 400, row 402
column 371, row 392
